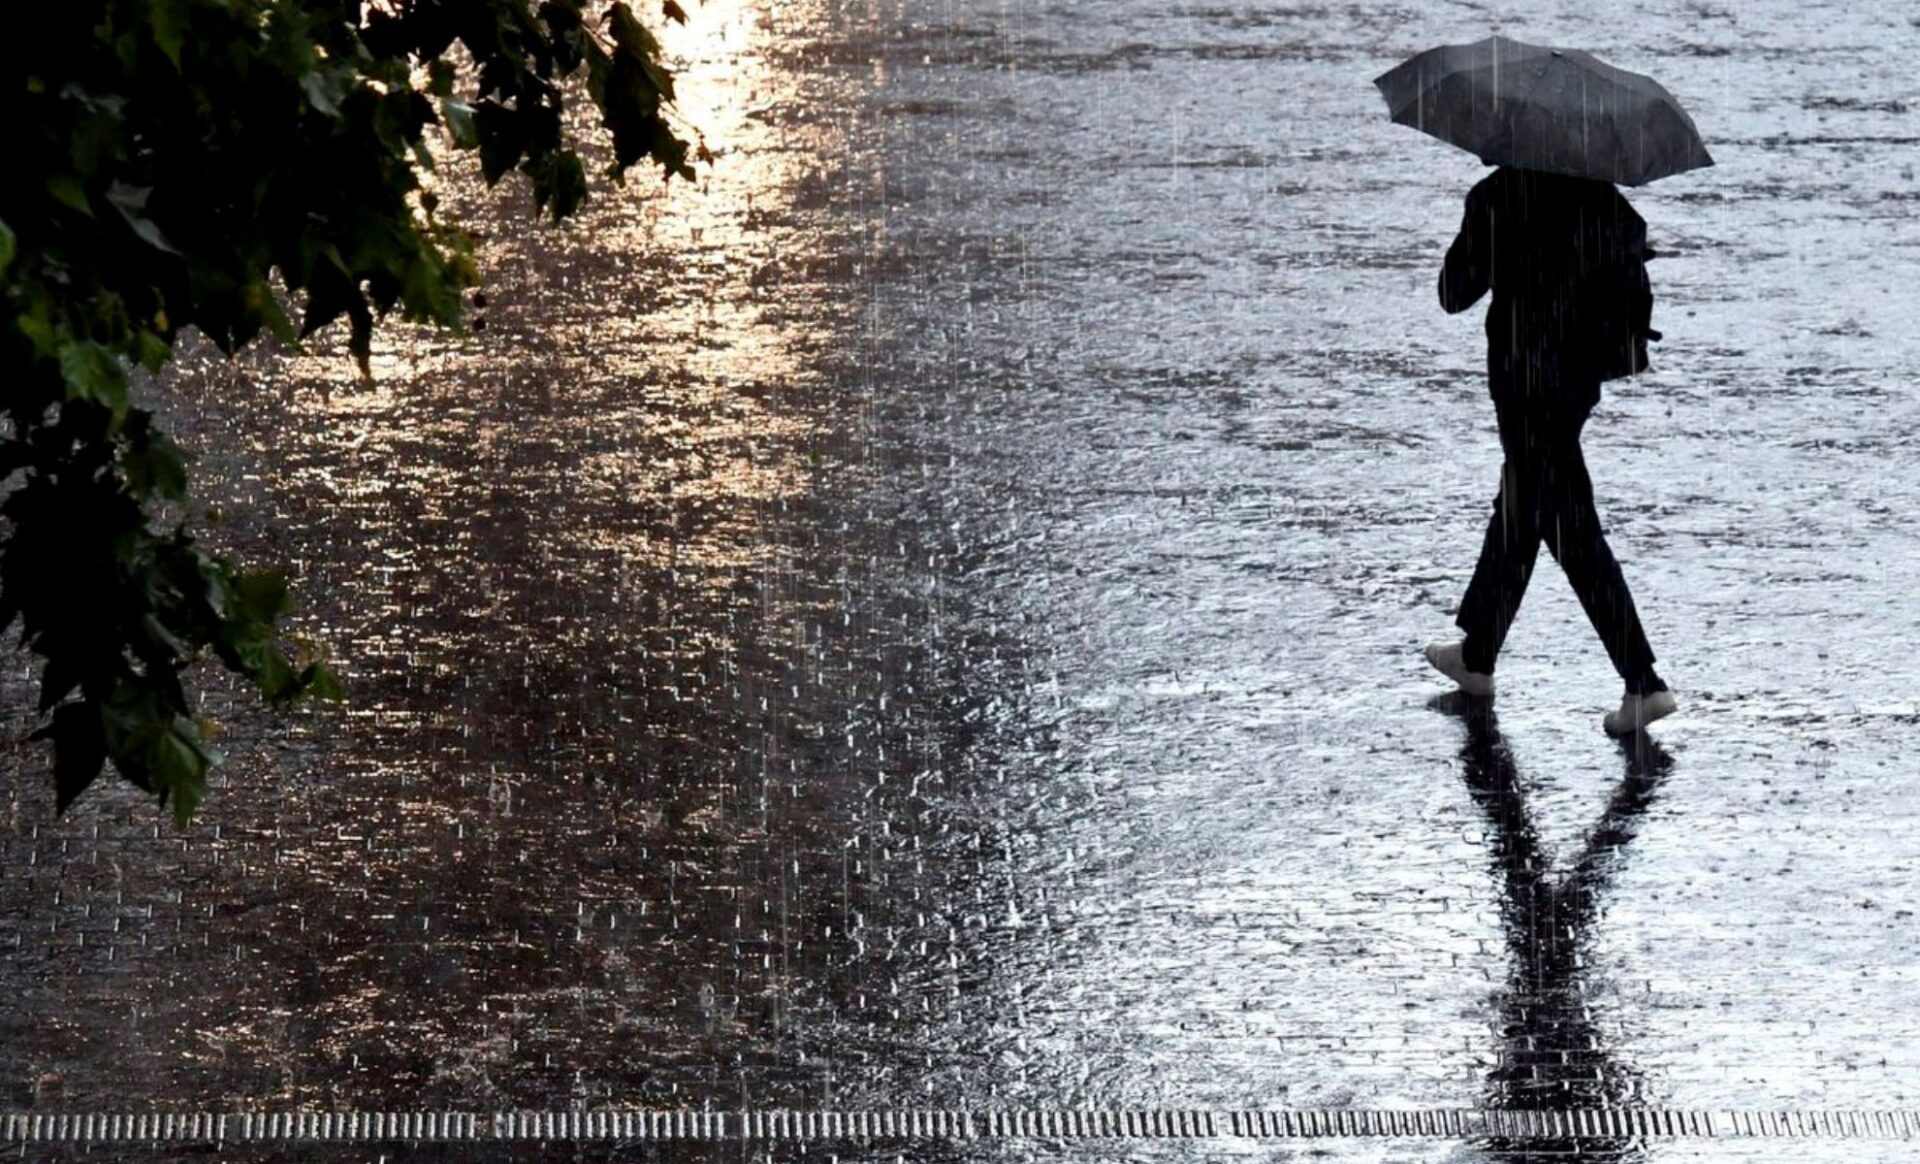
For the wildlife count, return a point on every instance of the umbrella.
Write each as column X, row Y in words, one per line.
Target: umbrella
column 1560, row 110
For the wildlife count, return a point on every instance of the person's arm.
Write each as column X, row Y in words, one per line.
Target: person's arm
column 1467, row 273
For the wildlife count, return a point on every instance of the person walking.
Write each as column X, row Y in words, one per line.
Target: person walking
column 1553, row 239
column 1557, row 252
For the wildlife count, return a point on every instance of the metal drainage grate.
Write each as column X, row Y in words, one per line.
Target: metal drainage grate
column 921, row 1124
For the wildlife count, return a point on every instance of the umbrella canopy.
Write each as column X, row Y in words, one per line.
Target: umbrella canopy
column 1560, row 110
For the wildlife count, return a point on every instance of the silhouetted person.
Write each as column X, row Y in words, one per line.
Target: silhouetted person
column 1560, row 255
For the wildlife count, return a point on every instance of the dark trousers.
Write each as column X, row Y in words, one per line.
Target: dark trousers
column 1546, row 496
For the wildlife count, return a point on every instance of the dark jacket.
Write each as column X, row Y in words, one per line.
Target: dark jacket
column 1563, row 257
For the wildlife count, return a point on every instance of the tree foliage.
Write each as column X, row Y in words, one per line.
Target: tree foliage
column 200, row 164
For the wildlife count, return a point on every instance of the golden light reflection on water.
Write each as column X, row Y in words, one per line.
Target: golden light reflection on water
column 584, row 571
column 640, row 351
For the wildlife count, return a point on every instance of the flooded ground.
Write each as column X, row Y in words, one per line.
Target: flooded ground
column 931, row 619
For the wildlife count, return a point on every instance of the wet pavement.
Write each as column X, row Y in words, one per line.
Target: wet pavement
column 932, row 618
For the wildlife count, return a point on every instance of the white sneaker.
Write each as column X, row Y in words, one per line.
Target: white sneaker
column 1637, row 711
column 1446, row 659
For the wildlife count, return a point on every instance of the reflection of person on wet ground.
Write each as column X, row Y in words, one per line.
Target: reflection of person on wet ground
column 1550, row 248
column 1552, row 1056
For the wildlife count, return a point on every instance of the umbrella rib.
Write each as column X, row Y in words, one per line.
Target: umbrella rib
column 1504, row 108
column 1520, row 104
column 1620, row 150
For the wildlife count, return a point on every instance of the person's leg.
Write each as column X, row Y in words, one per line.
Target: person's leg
column 1507, row 552
column 1570, row 526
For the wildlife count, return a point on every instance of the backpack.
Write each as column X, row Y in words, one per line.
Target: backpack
column 1620, row 304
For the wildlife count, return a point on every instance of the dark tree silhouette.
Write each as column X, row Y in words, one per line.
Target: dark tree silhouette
column 205, row 164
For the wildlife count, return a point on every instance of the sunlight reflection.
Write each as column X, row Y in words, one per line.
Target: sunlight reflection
column 645, row 350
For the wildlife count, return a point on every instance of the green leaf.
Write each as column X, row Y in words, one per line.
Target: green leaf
column 216, row 585
column 79, row 750
column 177, row 762
column 440, row 77
column 68, row 190
column 35, row 321
column 92, row 373
column 569, row 184
column 428, row 293
column 155, row 466
column 58, row 678
column 261, row 596
column 324, row 89
column 250, row 651
column 163, row 639
column 331, row 293
column 661, row 79
column 636, row 45
column 169, row 25
column 9, row 246
column 629, row 34
column 319, row 679
column 131, row 718
column 673, row 11
column 276, row 679
column 502, row 136
column 458, row 117
column 152, row 351
column 599, row 73
column 131, row 202
column 262, row 303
